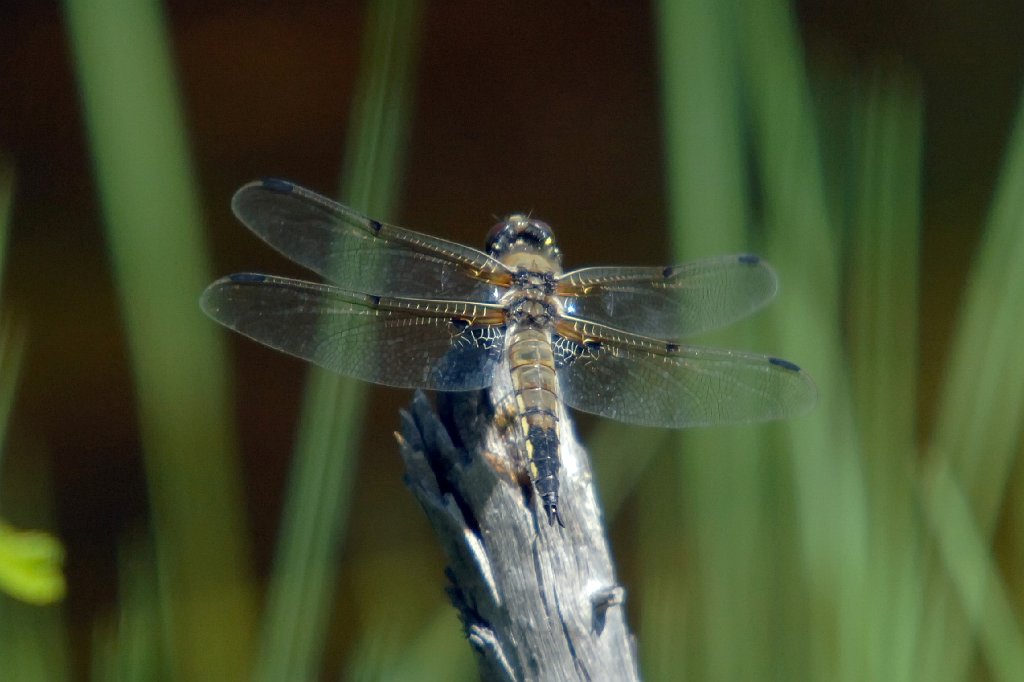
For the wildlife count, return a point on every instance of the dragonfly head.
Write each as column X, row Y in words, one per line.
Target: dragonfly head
column 521, row 234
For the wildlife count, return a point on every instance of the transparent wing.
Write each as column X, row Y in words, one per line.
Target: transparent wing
column 407, row 343
column 361, row 254
column 648, row 382
column 673, row 302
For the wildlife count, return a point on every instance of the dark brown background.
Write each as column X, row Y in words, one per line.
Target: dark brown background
column 546, row 107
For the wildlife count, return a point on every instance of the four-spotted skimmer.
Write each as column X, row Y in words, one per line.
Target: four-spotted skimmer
column 409, row 310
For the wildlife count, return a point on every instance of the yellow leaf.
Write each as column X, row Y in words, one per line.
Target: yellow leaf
column 30, row 565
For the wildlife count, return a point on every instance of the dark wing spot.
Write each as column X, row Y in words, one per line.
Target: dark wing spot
column 749, row 259
column 247, row 278
column 672, row 347
column 592, row 345
column 669, row 271
column 374, row 225
column 784, row 364
column 460, row 324
column 374, row 300
column 278, row 185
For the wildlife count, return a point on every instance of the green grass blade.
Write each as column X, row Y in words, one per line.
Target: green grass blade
column 705, row 169
column 886, row 151
column 619, row 464
column 33, row 638
column 755, row 609
column 319, row 492
column 153, row 224
column 976, row 583
column 977, row 434
column 33, row 644
column 824, row 450
column 719, row 474
column 392, row 648
column 982, row 402
column 129, row 645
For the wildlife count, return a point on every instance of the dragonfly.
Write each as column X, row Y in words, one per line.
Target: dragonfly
column 410, row 310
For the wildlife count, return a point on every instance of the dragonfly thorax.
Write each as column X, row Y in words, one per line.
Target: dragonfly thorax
column 531, row 300
column 540, row 283
column 527, row 311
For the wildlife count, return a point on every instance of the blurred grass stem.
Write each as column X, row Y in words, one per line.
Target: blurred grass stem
column 319, row 493
column 154, row 230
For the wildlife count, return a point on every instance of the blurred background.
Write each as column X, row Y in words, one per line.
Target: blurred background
column 225, row 511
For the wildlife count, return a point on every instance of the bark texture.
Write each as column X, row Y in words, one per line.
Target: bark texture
column 538, row 602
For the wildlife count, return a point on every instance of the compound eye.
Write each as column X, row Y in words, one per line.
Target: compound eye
column 520, row 229
column 499, row 235
column 540, row 232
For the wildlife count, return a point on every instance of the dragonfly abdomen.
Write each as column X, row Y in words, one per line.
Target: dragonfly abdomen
column 532, row 364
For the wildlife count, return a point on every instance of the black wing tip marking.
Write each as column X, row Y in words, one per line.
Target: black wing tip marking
column 242, row 201
column 277, row 185
column 211, row 298
column 246, row 278
column 281, row 186
column 743, row 258
column 784, row 364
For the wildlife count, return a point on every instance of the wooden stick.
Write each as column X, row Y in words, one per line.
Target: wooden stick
column 538, row 602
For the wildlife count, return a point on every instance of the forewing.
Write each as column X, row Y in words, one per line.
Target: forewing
column 439, row 345
column 648, row 382
column 361, row 254
column 673, row 302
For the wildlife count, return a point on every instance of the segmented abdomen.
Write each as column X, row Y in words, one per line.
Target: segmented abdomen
column 532, row 363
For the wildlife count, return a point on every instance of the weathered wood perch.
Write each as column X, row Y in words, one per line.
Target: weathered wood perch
column 538, row 602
